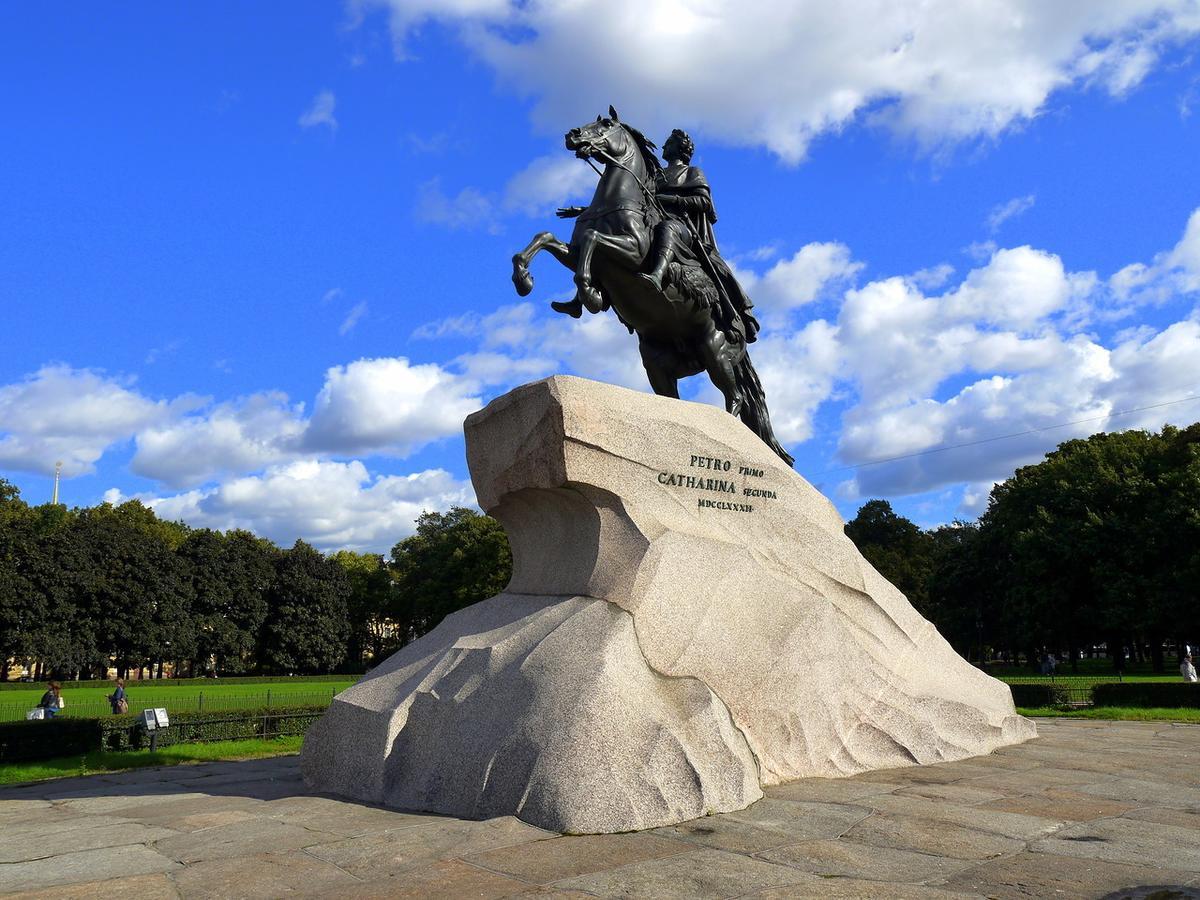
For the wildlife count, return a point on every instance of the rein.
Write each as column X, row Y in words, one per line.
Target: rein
column 640, row 208
column 651, row 200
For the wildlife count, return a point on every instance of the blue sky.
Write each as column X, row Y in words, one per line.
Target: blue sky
column 256, row 265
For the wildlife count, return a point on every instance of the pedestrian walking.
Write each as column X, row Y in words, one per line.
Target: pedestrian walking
column 1186, row 669
column 117, row 700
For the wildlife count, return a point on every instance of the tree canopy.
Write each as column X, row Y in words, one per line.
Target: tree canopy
column 83, row 590
column 1097, row 544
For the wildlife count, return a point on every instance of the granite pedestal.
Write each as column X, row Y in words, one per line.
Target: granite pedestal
column 686, row 623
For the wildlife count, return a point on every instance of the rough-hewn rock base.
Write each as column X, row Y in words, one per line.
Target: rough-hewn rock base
column 686, row 622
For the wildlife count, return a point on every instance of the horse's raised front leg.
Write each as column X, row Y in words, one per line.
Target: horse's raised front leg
column 543, row 241
column 627, row 249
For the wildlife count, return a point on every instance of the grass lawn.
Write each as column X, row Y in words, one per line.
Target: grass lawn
column 91, row 702
column 1118, row 713
column 100, row 761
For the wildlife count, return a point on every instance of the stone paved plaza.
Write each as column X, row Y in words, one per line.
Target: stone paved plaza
column 1086, row 810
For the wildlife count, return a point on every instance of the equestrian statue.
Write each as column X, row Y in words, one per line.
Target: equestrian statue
column 644, row 248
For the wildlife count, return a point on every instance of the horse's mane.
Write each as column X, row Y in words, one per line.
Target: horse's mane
column 649, row 153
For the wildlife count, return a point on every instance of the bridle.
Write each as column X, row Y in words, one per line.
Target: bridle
column 609, row 160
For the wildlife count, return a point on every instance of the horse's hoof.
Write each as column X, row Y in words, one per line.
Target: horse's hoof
column 523, row 281
column 572, row 308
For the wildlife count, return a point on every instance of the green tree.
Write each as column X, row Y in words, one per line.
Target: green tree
column 899, row 550
column 11, row 504
column 371, row 589
column 307, row 623
column 20, row 605
column 455, row 559
column 1169, row 536
column 230, row 575
column 132, row 587
column 1068, row 541
column 958, row 588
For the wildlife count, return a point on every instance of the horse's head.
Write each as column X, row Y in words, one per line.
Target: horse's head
column 604, row 139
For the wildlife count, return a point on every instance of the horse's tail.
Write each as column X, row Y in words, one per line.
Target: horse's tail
column 754, row 406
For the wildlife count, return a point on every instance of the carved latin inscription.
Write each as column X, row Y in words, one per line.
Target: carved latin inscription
column 726, row 478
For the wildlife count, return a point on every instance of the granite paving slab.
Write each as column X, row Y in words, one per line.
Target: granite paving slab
column 832, row 790
column 245, row 838
column 1185, row 818
column 262, row 875
column 1023, row 822
column 83, row 865
column 847, row 859
column 143, row 887
column 857, row 889
column 406, row 849
column 547, row 861
column 721, row 833
column 912, row 833
column 334, row 816
column 703, row 873
column 1143, row 791
column 449, row 879
column 187, row 812
column 1008, row 824
column 1034, row 875
column 15, row 848
column 1054, row 803
column 1127, row 841
column 962, row 792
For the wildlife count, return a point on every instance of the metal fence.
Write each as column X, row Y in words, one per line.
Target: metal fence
column 201, row 701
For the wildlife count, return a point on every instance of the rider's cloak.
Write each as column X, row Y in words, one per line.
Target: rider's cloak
column 689, row 188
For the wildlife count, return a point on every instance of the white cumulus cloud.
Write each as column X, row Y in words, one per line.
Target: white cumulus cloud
column 548, row 182
column 332, row 505
column 388, row 404
column 386, row 407
column 778, row 73
column 814, row 270
column 229, row 438
column 72, row 415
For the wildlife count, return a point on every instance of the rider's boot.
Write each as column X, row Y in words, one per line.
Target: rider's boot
column 572, row 308
column 662, row 258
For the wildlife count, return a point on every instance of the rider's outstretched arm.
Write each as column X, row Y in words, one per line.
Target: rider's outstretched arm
column 569, row 212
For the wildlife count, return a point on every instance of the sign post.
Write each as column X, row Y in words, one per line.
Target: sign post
column 155, row 720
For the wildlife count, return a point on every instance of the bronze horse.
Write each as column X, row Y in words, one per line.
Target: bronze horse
column 685, row 328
